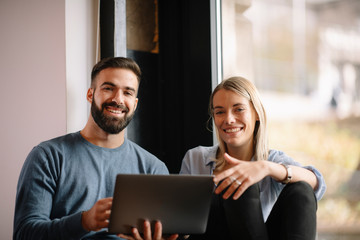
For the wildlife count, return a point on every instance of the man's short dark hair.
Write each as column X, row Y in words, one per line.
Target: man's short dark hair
column 115, row 62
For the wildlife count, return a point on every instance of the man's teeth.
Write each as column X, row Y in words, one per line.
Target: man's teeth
column 115, row 111
column 232, row 130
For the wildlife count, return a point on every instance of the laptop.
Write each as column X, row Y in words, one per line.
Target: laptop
column 180, row 202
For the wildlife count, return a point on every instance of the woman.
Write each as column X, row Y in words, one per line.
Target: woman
column 261, row 193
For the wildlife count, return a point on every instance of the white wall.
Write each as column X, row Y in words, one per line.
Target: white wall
column 81, row 32
column 33, row 93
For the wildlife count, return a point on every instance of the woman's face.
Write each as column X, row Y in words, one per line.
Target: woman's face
column 235, row 119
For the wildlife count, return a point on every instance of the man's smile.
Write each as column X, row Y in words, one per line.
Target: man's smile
column 116, row 110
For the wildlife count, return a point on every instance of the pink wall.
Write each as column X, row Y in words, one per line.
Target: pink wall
column 32, row 92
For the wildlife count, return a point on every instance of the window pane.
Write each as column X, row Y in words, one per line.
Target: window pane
column 304, row 57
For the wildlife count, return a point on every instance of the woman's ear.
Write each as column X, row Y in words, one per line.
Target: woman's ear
column 257, row 116
column 90, row 95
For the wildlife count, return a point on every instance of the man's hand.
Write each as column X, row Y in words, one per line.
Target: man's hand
column 147, row 233
column 98, row 216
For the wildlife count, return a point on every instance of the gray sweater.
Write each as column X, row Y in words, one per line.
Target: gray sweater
column 64, row 176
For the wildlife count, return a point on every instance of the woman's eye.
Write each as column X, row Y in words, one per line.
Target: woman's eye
column 218, row 113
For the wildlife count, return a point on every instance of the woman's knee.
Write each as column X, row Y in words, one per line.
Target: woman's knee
column 294, row 213
column 300, row 192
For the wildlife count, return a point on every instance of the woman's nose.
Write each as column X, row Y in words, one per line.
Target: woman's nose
column 230, row 118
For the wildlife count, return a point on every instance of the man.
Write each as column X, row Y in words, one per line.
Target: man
column 66, row 185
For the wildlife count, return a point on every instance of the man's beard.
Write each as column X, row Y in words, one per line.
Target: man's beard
column 110, row 125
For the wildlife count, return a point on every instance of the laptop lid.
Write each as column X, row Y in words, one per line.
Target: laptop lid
column 180, row 202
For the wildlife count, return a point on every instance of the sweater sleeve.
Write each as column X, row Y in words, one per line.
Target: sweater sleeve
column 36, row 188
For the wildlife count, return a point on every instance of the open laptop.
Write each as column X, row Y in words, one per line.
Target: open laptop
column 180, row 202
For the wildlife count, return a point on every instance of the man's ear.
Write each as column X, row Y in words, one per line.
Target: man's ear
column 136, row 102
column 90, row 95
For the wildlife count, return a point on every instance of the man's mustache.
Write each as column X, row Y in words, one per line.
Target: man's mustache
column 115, row 105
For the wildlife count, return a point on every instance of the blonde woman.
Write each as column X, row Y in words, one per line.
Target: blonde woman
column 260, row 193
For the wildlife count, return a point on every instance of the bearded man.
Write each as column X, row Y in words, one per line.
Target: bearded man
column 66, row 184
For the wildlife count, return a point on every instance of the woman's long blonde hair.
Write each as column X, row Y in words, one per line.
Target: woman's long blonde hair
column 248, row 90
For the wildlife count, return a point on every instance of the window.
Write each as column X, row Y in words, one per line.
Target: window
column 304, row 57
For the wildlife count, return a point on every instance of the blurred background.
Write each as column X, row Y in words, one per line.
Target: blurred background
column 304, row 57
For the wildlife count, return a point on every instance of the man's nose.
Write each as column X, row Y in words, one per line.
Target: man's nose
column 118, row 97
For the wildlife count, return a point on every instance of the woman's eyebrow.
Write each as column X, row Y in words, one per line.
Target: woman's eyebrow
column 217, row 107
column 234, row 105
column 239, row 104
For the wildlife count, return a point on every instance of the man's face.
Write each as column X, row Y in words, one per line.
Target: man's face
column 113, row 99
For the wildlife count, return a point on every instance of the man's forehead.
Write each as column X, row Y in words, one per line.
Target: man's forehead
column 117, row 77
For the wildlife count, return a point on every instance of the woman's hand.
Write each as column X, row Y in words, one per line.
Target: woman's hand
column 147, row 233
column 238, row 176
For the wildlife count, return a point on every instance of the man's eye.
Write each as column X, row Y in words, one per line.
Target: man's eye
column 219, row 112
column 107, row 88
column 129, row 93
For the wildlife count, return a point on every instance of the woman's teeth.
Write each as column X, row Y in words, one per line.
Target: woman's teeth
column 232, row 130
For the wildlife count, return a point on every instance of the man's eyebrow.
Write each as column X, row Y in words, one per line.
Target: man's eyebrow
column 108, row 83
column 130, row 89
column 114, row 85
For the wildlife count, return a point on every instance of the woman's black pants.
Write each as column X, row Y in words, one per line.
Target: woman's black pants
column 293, row 217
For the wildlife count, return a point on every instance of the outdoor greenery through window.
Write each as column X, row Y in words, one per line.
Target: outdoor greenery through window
column 304, row 57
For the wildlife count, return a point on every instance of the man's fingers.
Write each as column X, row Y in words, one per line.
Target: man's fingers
column 104, row 204
column 158, row 231
column 147, row 230
column 173, row 237
column 103, row 216
column 125, row 236
column 136, row 233
column 98, row 216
